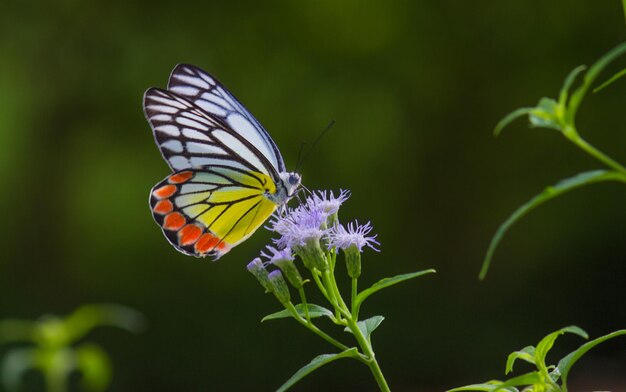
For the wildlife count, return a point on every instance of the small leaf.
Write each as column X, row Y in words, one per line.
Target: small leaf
column 545, row 115
column 314, row 311
column 386, row 282
column 569, row 360
column 87, row 317
column 368, row 326
column 525, row 379
column 509, row 118
column 94, row 366
column 581, row 179
column 590, row 77
column 525, row 354
column 488, row 386
column 546, row 343
column 569, row 81
column 316, row 363
column 611, row 80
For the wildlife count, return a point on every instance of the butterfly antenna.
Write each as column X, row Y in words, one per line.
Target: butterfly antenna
column 324, row 132
column 299, row 161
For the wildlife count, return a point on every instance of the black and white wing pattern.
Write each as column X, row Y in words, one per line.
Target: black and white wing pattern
column 211, row 96
column 191, row 137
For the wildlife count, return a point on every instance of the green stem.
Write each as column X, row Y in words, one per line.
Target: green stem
column 292, row 309
column 355, row 311
column 594, row 152
column 351, row 320
column 303, row 300
column 319, row 284
column 372, row 363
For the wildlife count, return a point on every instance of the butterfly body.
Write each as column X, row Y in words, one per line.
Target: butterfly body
column 229, row 176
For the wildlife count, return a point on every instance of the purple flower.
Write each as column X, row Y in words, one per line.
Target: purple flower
column 326, row 201
column 276, row 255
column 298, row 226
column 355, row 235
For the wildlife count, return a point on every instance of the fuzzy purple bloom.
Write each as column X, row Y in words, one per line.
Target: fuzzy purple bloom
column 276, row 255
column 326, row 202
column 298, row 226
column 355, row 235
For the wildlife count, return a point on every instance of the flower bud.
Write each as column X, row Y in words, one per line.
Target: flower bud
column 353, row 261
column 312, row 255
column 279, row 286
column 288, row 267
column 257, row 269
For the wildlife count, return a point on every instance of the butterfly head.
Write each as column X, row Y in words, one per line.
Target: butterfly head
column 291, row 183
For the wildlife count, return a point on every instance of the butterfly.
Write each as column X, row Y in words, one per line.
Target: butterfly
column 228, row 175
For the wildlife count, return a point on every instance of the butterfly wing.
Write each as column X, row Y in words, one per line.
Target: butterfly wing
column 207, row 212
column 190, row 138
column 224, row 164
column 211, row 96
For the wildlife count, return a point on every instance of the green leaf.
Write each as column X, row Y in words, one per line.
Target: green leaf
column 546, row 343
column 526, row 354
column 386, row 282
column 94, row 366
column 611, row 80
column 569, row 360
column 525, row 379
column 545, row 115
column 316, row 363
column 488, row 386
column 567, row 84
column 581, row 179
column 368, row 326
column 314, row 311
column 509, row 118
column 88, row 317
column 590, row 77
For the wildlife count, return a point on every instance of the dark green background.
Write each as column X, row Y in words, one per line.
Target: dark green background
column 415, row 87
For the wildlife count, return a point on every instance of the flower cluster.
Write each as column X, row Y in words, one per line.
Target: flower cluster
column 311, row 231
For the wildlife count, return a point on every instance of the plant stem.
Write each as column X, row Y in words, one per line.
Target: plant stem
column 594, row 152
column 306, row 306
column 355, row 312
column 292, row 309
column 372, row 363
column 351, row 319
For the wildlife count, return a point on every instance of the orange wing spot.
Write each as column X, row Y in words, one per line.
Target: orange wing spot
column 206, row 243
column 165, row 191
column 221, row 246
column 189, row 234
column 163, row 207
column 174, row 221
column 181, row 177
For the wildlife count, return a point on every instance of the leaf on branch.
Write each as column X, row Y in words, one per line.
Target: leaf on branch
column 386, row 282
column 314, row 311
column 488, row 386
column 581, row 179
column 547, row 342
column 368, row 326
column 526, row 354
column 611, row 80
column 590, row 77
column 509, row 118
column 316, row 363
column 569, row 360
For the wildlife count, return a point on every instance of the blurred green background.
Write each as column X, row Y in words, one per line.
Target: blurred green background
column 415, row 87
